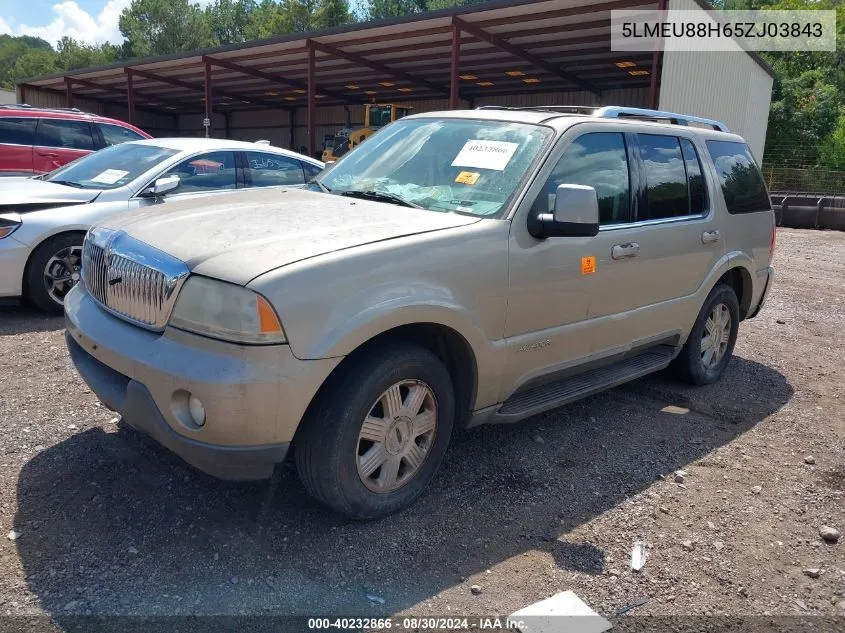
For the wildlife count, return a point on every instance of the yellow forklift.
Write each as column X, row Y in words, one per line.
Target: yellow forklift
column 375, row 117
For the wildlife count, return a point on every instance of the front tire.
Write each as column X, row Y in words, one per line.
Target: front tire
column 708, row 350
column 53, row 270
column 378, row 432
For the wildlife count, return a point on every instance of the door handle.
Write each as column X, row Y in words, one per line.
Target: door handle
column 708, row 237
column 48, row 154
column 623, row 251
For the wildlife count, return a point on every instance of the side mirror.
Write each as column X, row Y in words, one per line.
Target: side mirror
column 576, row 214
column 162, row 186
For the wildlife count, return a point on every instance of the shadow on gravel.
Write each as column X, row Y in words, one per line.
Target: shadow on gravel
column 113, row 524
column 24, row 318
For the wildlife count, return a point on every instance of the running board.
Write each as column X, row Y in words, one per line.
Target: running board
column 536, row 400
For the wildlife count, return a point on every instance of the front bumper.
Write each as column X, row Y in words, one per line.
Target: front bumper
column 254, row 396
column 768, row 276
column 13, row 257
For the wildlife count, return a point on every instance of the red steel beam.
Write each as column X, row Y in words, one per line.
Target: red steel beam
column 521, row 53
column 68, row 92
column 130, row 97
column 293, row 83
column 312, row 98
column 454, row 79
column 391, row 72
column 209, row 107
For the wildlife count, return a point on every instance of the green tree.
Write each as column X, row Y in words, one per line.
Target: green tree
column 73, row 54
column 381, row 9
column 34, row 63
column 12, row 49
column 833, row 150
column 229, row 20
column 159, row 27
column 803, row 114
column 331, row 13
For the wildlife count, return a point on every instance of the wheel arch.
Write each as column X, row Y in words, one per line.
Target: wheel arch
column 739, row 278
column 34, row 250
column 445, row 342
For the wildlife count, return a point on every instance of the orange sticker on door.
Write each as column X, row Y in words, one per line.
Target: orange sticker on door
column 588, row 265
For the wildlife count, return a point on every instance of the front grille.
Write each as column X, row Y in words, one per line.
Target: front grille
column 115, row 276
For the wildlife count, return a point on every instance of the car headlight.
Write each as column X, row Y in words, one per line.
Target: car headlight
column 8, row 226
column 225, row 311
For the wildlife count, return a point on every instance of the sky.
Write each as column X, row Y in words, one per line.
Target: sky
column 89, row 21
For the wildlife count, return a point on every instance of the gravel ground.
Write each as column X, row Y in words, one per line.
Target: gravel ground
column 102, row 521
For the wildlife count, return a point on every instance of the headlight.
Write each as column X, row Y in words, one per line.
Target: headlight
column 226, row 311
column 8, row 226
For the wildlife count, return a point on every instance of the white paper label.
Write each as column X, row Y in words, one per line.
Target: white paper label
column 485, row 154
column 109, row 177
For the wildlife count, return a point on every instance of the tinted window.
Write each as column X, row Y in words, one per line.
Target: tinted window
column 311, row 170
column 695, row 178
column 206, row 172
column 274, row 170
column 115, row 134
column 666, row 177
column 599, row 161
column 741, row 180
column 65, row 134
column 17, row 131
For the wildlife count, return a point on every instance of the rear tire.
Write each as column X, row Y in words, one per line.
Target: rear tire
column 708, row 350
column 53, row 270
column 366, row 471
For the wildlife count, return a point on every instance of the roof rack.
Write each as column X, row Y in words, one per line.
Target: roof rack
column 26, row 106
column 619, row 112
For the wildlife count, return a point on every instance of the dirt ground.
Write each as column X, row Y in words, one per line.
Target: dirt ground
column 106, row 522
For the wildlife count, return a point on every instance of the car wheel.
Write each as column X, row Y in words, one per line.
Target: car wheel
column 378, row 431
column 53, row 270
column 710, row 345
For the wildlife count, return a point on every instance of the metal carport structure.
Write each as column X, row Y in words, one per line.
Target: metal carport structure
column 497, row 51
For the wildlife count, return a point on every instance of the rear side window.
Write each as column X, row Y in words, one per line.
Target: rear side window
column 741, row 180
column 274, row 170
column 667, row 195
column 17, row 131
column 597, row 160
column 116, row 134
column 65, row 134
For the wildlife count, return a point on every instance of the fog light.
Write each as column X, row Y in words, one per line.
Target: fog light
column 197, row 410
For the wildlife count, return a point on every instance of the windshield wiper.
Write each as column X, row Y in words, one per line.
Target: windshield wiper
column 314, row 181
column 67, row 183
column 380, row 196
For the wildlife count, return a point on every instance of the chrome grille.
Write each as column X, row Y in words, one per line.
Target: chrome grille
column 130, row 278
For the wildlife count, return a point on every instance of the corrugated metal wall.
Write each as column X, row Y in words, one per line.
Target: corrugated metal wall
column 729, row 86
column 275, row 126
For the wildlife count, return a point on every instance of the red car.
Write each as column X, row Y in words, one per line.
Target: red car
column 38, row 140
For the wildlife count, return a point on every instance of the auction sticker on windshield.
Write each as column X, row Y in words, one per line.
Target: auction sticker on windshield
column 485, row 154
column 109, row 177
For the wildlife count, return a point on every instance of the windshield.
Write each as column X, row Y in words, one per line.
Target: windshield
column 459, row 165
column 111, row 167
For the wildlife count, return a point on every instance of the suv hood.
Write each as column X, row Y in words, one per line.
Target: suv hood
column 26, row 194
column 239, row 235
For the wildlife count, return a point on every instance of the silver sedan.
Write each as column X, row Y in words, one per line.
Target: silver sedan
column 44, row 219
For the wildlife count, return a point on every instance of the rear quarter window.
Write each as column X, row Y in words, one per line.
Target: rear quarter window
column 742, row 183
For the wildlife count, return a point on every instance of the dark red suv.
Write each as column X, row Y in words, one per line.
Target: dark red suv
column 38, row 140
